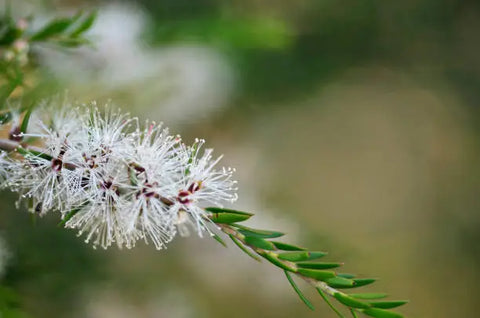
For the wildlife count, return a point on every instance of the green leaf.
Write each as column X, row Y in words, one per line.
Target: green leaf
column 316, row 255
column 257, row 233
column 354, row 314
column 259, row 242
column 345, row 275
column 329, row 303
column 350, row 301
column 68, row 216
column 359, row 282
column 53, row 28
column 318, row 265
column 219, row 239
column 84, row 25
column 275, row 261
column 222, row 210
column 227, row 216
column 301, row 256
column 364, row 281
column 28, row 152
column 298, row 291
column 287, row 247
column 369, row 295
column 244, row 249
column 388, row 304
column 26, row 119
column 340, row 282
column 316, row 274
column 294, row 256
column 381, row 313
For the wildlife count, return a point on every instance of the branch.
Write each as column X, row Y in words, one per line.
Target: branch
column 302, row 263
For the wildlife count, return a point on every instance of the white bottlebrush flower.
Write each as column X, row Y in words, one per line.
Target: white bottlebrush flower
column 201, row 184
column 41, row 180
column 112, row 181
column 42, row 176
column 102, row 166
column 101, row 216
column 99, row 148
column 105, row 130
column 153, row 167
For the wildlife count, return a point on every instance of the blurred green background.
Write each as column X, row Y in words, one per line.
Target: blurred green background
column 353, row 125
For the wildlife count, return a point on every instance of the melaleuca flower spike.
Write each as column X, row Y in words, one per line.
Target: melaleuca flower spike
column 117, row 183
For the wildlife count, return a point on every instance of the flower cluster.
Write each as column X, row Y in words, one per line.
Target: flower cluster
column 111, row 179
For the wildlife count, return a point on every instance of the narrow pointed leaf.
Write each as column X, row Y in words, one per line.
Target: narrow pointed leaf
column 275, row 261
column 219, row 239
column 364, row 281
column 350, row 301
column 359, row 282
column 53, row 28
column 329, row 303
column 315, row 255
column 294, row 256
column 68, row 216
column 340, row 282
column 287, row 247
column 345, row 275
column 369, row 295
column 301, row 256
column 26, row 120
column 84, row 25
column 381, row 313
column 298, row 291
column 388, row 304
column 318, row 265
column 316, row 274
column 222, row 210
column 25, row 152
column 259, row 242
column 228, row 217
column 257, row 233
column 244, row 249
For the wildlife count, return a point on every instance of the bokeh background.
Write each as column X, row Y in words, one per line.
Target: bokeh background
column 353, row 125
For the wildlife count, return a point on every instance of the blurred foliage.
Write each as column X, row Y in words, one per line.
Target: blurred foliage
column 283, row 50
column 16, row 38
